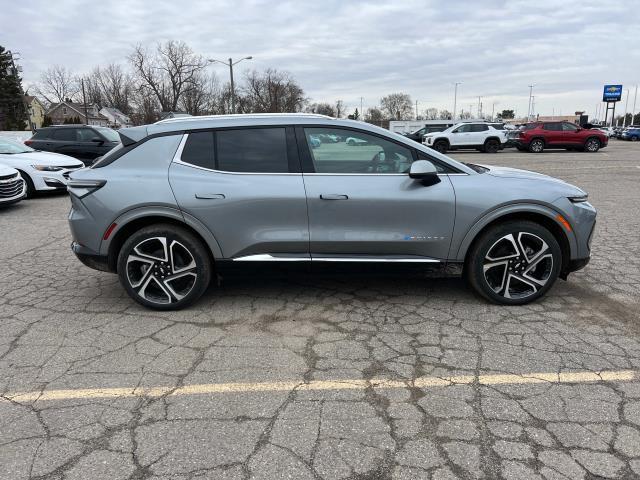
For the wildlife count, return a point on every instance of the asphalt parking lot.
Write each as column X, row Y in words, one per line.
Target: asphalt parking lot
column 325, row 378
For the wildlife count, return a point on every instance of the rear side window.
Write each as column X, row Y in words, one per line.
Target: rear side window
column 41, row 133
column 199, row 150
column 252, row 150
column 478, row 127
column 65, row 134
column 498, row 126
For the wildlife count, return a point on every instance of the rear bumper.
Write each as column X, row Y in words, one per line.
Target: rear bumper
column 90, row 258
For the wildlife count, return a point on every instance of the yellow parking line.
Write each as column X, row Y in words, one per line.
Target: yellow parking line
column 317, row 385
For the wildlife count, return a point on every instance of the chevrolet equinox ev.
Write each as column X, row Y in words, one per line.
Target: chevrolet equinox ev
column 182, row 199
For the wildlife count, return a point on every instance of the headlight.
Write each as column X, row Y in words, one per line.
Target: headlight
column 579, row 198
column 46, row 168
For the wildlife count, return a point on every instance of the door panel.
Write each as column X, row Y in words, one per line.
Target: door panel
column 379, row 215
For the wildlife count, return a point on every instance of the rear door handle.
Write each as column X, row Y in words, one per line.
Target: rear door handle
column 210, row 196
column 333, row 196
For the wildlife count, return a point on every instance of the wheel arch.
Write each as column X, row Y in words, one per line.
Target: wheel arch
column 539, row 214
column 136, row 219
column 492, row 137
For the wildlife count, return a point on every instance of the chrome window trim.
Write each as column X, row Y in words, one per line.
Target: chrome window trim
column 177, row 158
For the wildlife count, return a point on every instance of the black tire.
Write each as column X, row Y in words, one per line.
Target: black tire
column 521, row 149
column 441, row 146
column 538, row 270
column 536, row 145
column 634, row 139
column 592, row 145
column 31, row 190
column 182, row 250
column 491, row 146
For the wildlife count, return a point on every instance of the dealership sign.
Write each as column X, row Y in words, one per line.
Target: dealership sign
column 612, row 93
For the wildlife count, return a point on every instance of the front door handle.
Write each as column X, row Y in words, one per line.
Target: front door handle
column 210, row 196
column 333, row 196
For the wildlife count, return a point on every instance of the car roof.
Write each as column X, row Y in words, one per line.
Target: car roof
column 180, row 125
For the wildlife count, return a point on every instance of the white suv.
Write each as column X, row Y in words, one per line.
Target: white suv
column 483, row 136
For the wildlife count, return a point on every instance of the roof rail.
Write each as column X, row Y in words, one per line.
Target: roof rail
column 239, row 115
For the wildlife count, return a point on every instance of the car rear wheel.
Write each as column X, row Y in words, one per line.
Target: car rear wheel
column 440, row 146
column 536, row 145
column 491, row 146
column 592, row 145
column 164, row 267
column 514, row 263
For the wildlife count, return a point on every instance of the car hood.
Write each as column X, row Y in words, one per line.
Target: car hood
column 507, row 172
column 5, row 170
column 41, row 158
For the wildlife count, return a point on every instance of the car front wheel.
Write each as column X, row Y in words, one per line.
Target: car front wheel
column 440, row 146
column 592, row 145
column 514, row 263
column 164, row 267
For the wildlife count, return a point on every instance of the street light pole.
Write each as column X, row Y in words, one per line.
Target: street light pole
column 626, row 104
column 230, row 64
column 635, row 97
column 529, row 107
column 455, row 99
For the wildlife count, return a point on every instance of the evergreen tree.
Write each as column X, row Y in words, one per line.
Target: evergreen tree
column 13, row 114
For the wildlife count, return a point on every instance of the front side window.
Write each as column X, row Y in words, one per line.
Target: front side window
column 553, row 127
column 87, row 135
column 569, row 127
column 463, row 128
column 109, row 134
column 252, row 150
column 355, row 152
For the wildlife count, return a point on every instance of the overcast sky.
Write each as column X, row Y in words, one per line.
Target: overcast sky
column 350, row 49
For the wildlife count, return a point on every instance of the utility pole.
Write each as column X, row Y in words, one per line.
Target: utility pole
column 84, row 100
column 479, row 107
column 533, row 105
column 362, row 108
column 635, row 97
column 455, row 99
column 230, row 64
column 626, row 104
column 416, row 109
column 529, row 107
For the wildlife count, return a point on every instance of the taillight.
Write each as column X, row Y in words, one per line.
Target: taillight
column 28, row 142
column 82, row 188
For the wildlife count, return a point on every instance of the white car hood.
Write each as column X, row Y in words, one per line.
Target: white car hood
column 40, row 158
column 4, row 171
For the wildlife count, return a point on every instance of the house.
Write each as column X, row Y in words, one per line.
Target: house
column 35, row 110
column 166, row 115
column 59, row 112
column 116, row 118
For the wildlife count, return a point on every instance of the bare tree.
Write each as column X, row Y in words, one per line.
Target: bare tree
column 322, row 109
column 115, row 86
column 445, row 115
column 270, row 92
column 57, row 84
column 373, row 115
column 430, row 113
column 167, row 71
column 203, row 96
column 397, row 106
column 340, row 109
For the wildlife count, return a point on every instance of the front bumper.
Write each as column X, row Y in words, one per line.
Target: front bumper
column 90, row 258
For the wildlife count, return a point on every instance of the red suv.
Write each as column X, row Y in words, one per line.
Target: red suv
column 537, row 136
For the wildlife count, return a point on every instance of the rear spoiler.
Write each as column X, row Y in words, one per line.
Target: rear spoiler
column 129, row 136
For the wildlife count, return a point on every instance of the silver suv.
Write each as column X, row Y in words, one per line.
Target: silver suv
column 184, row 198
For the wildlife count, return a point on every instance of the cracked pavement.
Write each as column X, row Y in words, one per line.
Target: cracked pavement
column 66, row 327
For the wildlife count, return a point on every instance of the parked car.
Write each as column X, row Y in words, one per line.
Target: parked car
column 537, row 136
column 355, row 141
column 314, row 142
column 41, row 171
column 186, row 198
column 418, row 135
column 608, row 131
column 632, row 134
column 83, row 142
column 481, row 136
column 12, row 187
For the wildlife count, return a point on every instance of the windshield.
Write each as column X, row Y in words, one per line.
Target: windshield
column 109, row 134
column 9, row 146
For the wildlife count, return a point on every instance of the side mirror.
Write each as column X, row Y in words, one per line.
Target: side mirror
column 424, row 171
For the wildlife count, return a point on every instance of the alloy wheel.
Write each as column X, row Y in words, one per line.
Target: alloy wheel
column 161, row 271
column 592, row 145
column 537, row 146
column 518, row 265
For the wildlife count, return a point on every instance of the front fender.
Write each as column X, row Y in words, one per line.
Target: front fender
column 527, row 208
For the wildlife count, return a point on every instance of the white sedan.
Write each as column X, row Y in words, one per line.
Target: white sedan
column 41, row 171
column 12, row 187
